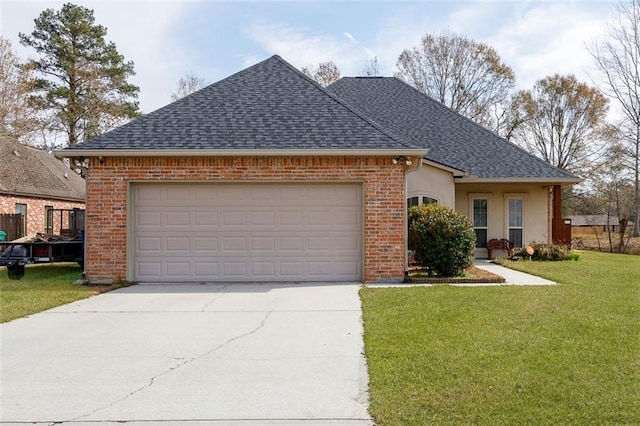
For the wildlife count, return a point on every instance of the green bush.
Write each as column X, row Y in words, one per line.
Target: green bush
column 548, row 252
column 442, row 239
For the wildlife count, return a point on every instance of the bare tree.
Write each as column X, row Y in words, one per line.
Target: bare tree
column 187, row 85
column 371, row 68
column 18, row 117
column 325, row 73
column 463, row 74
column 617, row 57
column 563, row 121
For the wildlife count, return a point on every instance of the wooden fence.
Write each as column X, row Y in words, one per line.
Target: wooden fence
column 13, row 225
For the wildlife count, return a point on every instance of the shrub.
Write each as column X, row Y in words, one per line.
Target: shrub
column 548, row 252
column 442, row 239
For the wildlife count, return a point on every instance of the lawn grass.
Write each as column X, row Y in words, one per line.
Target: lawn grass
column 42, row 287
column 565, row 354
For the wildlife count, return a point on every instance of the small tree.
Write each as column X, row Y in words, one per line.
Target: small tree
column 325, row 73
column 187, row 85
column 443, row 240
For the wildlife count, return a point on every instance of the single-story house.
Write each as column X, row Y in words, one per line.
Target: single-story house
column 33, row 183
column 267, row 176
column 589, row 224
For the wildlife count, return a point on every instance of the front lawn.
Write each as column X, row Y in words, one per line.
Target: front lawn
column 42, row 287
column 565, row 354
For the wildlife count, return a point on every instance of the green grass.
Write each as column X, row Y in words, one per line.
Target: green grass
column 42, row 287
column 566, row 354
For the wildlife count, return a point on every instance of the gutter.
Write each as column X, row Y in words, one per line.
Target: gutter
column 548, row 180
column 88, row 153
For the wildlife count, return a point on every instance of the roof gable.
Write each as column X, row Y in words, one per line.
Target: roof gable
column 29, row 171
column 451, row 139
column 269, row 106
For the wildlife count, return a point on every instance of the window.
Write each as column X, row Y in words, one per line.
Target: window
column 413, row 201
column 516, row 213
column 481, row 221
column 22, row 209
column 48, row 219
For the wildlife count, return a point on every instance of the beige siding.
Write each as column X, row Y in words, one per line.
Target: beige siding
column 432, row 182
column 536, row 208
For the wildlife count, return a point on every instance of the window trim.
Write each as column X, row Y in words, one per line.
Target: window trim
column 48, row 219
column 480, row 196
column 422, row 197
column 507, row 228
column 24, row 215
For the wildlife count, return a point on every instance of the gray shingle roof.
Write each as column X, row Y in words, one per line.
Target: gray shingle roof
column 452, row 139
column 33, row 172
column 270, row 105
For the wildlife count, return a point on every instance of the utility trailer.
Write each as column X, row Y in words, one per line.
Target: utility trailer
column 67, row 246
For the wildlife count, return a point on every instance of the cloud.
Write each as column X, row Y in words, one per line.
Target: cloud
column 303, row 47
column 142, row 31
column 537, row 42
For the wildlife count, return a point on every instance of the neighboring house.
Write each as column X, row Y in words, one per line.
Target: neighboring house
column 266, row 176
column 32, row 182
column 589, row 224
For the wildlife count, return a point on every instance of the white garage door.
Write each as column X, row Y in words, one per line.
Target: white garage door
column 201, row 232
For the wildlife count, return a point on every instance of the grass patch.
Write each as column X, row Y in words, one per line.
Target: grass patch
column 43, row 287
column 565, row 354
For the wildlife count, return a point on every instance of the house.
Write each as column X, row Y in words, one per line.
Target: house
column 600, row 223
column 266, row 176
column 504, row 190
column 33, row 183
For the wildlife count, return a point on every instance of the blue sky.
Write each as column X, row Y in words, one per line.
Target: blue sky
column 214, row 39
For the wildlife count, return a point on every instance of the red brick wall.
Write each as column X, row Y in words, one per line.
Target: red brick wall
column 106, row 233
column 35, row 210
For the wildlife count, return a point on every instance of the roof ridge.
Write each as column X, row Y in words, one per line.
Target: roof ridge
column 347, row 105
column 484, row 129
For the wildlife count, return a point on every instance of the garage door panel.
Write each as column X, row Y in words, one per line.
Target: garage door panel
column 219, row 232
column 205, row 245
column 205, row 269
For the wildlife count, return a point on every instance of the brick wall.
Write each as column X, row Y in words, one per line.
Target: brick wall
column 106, row 232
column 35, row 210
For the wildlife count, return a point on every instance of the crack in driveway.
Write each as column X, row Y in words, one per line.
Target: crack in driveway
column 171, row 369
column 215, row 298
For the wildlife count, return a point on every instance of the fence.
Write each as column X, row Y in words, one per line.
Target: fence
column 13, row 225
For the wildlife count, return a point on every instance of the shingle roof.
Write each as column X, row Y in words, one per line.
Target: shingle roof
column 452, row 139
column 33, row 172
column 270, row 105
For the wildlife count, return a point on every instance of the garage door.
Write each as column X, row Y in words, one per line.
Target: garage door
column 247, row 232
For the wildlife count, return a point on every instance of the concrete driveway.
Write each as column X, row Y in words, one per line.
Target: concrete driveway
column 240, row 354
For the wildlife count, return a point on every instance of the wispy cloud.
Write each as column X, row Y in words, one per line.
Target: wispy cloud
column 302, row 47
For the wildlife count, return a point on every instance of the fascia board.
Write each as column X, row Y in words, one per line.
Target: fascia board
column 88, row 153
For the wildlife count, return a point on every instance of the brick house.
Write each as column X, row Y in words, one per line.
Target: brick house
column 263, row 176
column 33, row 182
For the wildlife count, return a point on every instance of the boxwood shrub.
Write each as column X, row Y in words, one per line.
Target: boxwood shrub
column 442, row 239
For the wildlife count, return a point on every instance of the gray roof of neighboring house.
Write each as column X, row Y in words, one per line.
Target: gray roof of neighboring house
column 595, row 220
column 452, row 139
column 268, row 106
column 32, row 172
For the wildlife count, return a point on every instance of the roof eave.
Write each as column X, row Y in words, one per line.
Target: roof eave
column 89, row 153
column 532, row 180
column 456, row 172
column 44, row 196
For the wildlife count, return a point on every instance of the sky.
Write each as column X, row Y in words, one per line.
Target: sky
column 214, row 39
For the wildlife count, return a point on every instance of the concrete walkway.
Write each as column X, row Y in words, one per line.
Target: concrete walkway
column 512, row 277
column 241, row 354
